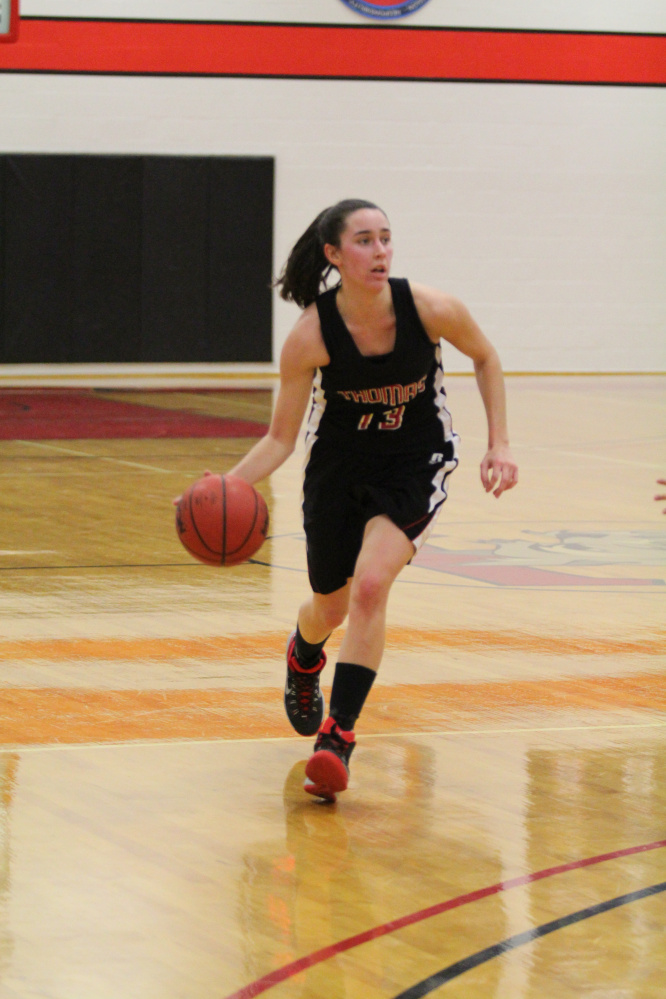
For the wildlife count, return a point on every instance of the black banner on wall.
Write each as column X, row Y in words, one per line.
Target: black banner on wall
column 135, row 258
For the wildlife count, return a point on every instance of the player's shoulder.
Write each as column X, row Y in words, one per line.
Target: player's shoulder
column 304, row 346
column 306, row 331
column 437, row 309
column 433, row 299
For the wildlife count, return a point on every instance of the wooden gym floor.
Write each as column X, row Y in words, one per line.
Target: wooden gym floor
column 504, row 834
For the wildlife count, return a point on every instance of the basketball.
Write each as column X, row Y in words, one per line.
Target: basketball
column 221, row 520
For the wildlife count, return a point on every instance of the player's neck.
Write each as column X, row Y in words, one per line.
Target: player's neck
column 363, row 306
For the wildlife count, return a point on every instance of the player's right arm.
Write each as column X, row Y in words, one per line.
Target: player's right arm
column 302, row 354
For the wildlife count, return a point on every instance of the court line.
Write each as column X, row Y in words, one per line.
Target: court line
column 97, row 457
column 18, row 747
column 428, row 985
column 57, row 473
column 333, row 950
column 191, row 564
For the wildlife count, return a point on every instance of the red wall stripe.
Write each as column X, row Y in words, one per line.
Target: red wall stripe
column 138, row 47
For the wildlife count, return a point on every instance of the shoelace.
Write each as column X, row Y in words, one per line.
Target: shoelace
column 304, row 691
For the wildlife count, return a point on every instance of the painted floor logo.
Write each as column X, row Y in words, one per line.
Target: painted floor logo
column 385, row 8
column 554, row 559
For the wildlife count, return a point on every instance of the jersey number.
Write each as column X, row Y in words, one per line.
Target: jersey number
column 392, row 419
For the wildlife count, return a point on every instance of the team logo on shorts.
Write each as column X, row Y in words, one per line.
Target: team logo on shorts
column 385, row 8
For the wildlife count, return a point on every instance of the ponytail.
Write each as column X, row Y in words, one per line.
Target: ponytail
column 307, row 266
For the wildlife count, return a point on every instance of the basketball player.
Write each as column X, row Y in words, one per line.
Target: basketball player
column 365, row 356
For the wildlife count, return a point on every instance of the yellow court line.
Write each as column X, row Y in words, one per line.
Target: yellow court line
column 140, row 374
column 48, row 373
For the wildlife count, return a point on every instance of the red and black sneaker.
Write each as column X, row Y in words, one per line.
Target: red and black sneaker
column 303, row 700
column 327, row 770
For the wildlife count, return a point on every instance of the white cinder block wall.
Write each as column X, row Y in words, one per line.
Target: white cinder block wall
column 542, row 206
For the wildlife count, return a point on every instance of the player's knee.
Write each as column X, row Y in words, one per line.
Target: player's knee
column 332, row 613
column 334, row 617
column 370, row 589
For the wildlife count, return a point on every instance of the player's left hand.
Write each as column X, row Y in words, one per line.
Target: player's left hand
column 499, row 471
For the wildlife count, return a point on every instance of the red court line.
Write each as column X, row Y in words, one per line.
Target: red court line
column 295, row 967
column 328, row 51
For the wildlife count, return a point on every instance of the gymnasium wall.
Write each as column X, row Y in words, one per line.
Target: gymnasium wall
column 518, row 146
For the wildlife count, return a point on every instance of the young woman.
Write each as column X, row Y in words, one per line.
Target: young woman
column 366, row 357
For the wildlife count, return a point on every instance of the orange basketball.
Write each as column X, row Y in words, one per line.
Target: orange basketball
column 221, row 520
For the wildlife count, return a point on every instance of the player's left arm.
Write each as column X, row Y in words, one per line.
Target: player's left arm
column 445, row 317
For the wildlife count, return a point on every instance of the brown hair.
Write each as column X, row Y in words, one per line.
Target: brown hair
column 307, row 267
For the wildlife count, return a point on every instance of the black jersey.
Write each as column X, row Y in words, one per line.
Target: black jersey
column 387, row 404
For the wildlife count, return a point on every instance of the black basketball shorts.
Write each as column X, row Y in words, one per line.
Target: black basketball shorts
column 343, row 491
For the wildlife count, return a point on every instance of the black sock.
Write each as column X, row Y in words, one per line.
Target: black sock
column 307, row 654
column 351, row 686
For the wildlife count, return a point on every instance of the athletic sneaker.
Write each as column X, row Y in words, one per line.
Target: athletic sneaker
column 327, row 769
column 303, row 700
